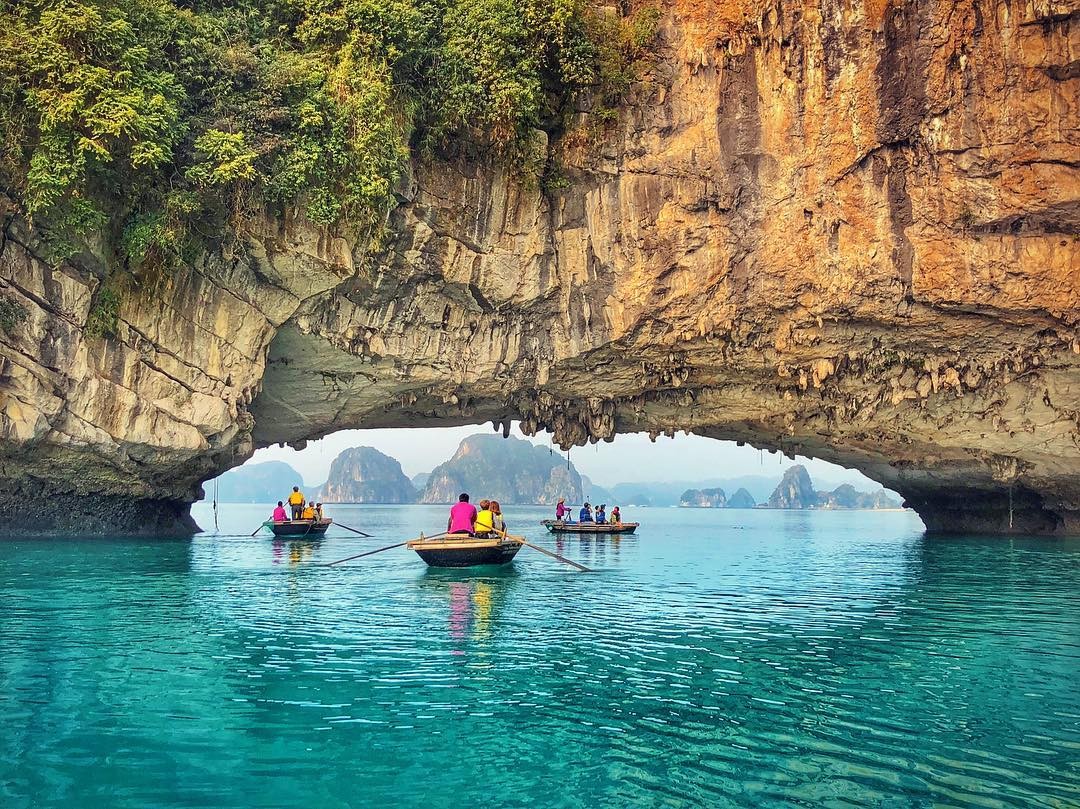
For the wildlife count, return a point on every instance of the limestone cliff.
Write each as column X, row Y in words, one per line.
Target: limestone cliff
column 508, row 470
column 795, row 490
column 703, row 498
column 365, row 475
column 741, row 499
column 847, row 230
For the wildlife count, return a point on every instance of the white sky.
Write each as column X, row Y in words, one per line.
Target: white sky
column 630, row 458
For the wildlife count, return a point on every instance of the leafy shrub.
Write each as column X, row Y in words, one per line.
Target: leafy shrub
column 12, row 313
column 104, row 319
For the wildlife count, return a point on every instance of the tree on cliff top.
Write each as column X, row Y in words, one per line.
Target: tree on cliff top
column 152, row 122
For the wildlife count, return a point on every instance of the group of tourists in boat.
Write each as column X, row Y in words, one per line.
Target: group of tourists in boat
column 302, row 509
column 589, row 521
column 473, row 537
column 307, row 517
column 600, row 517
column 465, row 519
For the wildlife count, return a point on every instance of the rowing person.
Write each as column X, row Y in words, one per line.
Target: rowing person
column 462, row 516
column 296, row 501
column 561, row 510
column 279, row 513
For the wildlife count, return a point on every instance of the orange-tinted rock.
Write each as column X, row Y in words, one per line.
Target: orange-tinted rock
column 849, row 230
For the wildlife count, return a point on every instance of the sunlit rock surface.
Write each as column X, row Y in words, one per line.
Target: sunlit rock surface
column 842, row 230
column 365, row 475
column 510, row 471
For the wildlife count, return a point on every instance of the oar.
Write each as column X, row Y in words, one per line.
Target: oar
column 570, row 562
column 366, row 553
column 257, row 530
column 347, row 528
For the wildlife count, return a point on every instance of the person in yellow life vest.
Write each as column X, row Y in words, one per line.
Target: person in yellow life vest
column 296, row 502
column 308, row 513
column 485, row 520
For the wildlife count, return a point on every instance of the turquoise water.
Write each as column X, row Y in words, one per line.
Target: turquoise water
column 718, row 658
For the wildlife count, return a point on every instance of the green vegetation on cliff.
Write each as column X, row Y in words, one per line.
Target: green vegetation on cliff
column 156, row 124
column 509, row 470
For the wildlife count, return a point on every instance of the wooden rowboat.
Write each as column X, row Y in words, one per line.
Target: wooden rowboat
column 557, row 527
column 462, row 550
column 299, row 528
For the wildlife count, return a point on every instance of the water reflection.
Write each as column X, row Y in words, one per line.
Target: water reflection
column 474, row 601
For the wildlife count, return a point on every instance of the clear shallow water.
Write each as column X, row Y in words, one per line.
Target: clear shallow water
column 716, row 659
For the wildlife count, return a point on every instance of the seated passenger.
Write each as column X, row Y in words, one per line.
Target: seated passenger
column 485, row 520
column 616, row 517
column 279, row 513
column 586, row 514
column 318, row 511
column 601, row 517
column 462, row 516
column 499, row 523
column 308, row 513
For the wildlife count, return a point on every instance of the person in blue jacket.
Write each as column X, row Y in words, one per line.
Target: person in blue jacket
column 586, row 514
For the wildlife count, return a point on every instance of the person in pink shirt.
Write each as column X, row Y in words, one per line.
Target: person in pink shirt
column 279, row 513
column 462, row 517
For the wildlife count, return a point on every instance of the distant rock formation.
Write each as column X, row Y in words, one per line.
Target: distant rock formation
column 596, row 494
column 509, row 470
column 741, row 499
column 847, row 496
column 703, row 498
column 265, row 482
column 419, row 480
column 365, row 475
column 796, row 491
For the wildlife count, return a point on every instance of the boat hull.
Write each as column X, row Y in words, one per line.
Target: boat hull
column 589, row 527
column 467, row 552
column 299, row 528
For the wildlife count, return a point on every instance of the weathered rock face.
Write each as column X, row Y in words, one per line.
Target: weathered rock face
column 795, row 490
column 848, row 230
column 510, row 471
column 365, row 475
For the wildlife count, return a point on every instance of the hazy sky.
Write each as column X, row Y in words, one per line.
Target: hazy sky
column 629, row 459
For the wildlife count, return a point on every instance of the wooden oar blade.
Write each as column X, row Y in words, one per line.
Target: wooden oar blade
column 366, row 553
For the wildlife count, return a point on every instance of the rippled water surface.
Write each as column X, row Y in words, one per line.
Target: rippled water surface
column 717, row 658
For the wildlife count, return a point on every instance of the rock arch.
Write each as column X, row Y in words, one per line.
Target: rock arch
column 823, row 239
